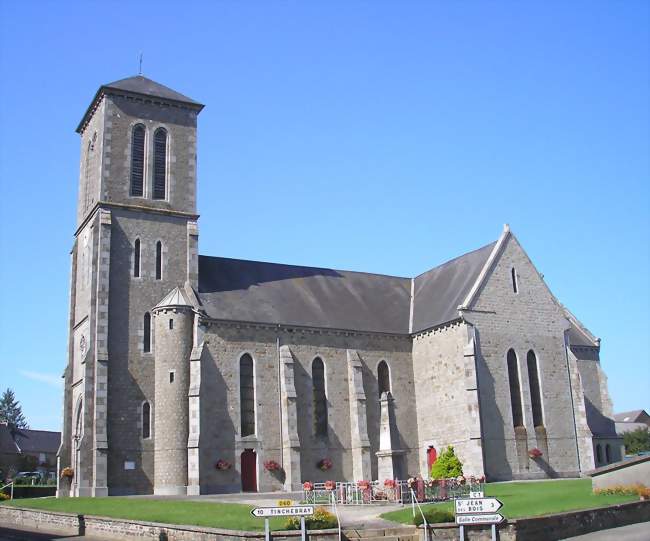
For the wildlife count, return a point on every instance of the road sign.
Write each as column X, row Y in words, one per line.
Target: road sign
column 492, row 518
column 466, row 506
column 293, row 511
column 479, row 494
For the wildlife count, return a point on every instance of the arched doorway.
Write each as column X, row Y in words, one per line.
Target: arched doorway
column 432, row 456
column 249, row 470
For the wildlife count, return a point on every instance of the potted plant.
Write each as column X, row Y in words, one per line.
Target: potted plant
column 389, row 483
column 363, row 484
column 222, row 465
column 308, row 486
column 271, row 465
column 324, row 464
column 534, row 453
column 67, row 473
column 330, row 485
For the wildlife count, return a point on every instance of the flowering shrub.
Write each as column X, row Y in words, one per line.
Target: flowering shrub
column 271, row 465
column 432, row 482
column 4, row 496
column 324, row 464
column 222, row 465
column 625, row 490
column 67, row 473
column 412, row 482
column 389, row 483
column 534, row 453
column 330, row 485
column 320, row 520
column 363, row 484
column 308, row 485
column 460, row 480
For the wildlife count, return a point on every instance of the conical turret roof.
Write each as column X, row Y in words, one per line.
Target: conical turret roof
column 176, row 297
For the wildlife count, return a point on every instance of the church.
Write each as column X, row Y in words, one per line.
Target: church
column 196, row 374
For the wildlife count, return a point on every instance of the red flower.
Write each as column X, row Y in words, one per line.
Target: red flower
column 307, row 485
column 325, row 464
column 271, row 465
column 534, row 452
column 363, row 484
column 222, row 465
column 330, row 485
column 389, row 483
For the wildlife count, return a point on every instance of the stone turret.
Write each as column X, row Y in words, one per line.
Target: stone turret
column 174, row 319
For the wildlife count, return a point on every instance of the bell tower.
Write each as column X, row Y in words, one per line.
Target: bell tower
column 136, row 239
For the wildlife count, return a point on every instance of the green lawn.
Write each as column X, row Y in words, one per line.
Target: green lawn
column 530, row 499
column 231, row 516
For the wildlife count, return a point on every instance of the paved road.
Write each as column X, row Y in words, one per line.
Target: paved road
column 633, row 532
column 15, row 534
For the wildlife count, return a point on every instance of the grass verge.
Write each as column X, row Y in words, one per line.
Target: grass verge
column 531, row 499
column 230, row 516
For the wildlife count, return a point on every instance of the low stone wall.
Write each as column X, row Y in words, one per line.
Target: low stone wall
column 627, row 472
column 114, row 528
column 544, row 528
column 553, row 527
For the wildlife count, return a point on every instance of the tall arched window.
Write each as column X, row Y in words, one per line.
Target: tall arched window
column 159, row 163
column 146, row 344
column 146, row 420
column 319, row 400
column 599, row 455
column 137, row 160
column 383, row 378
column 158, row 260
column 535, row 394
column 515, row 389
column 513, row 273
column 136, row 258
column 247, row 395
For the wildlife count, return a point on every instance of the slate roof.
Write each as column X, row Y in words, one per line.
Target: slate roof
column 629, row 416
column 253, row 291
column 38, row 441
column 142, row 86
column 176, row 297
column 439, row 292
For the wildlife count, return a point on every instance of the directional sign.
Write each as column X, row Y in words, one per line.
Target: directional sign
column 293, row 511
column 467, row 506
column 492, row 518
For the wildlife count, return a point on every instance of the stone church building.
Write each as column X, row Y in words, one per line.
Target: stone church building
column 187, row 373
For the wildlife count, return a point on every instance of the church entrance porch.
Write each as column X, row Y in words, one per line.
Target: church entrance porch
column 249, row 471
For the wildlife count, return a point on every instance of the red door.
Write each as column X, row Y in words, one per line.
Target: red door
column 249, row 471
column 432, row 456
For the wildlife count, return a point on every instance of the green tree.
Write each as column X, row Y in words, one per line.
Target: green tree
column 10, row 411
column 448, row 465
column 637, row 440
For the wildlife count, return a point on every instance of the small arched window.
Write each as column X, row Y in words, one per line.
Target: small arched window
column 136, row 258
column 383, row 378
column 608, row 454
column 319, row 398
column 146, row 420
column 599, row 454
column 247, row 395
column 137, row 160
column 146, row 344
column 535, row 394
column 513, row 273
column 159, row 163
column 158, row 260
column 515, row 389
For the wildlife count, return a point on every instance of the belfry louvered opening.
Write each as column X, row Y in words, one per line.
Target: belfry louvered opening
column 137, row 160
column 160, row 164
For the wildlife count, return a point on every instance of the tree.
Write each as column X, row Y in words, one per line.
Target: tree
column 447, row 466
column 637, row 440
column 10, row 411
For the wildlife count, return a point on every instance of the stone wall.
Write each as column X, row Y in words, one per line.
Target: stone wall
column 629, row 472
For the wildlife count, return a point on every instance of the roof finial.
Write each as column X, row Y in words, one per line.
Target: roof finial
column 140, row 67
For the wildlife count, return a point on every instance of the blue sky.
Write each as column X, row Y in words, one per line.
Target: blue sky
column 379, row 136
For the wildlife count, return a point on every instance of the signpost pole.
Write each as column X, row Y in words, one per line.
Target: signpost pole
column 303, row 532
column 462, row 533
column 494, row 532
column 267, row 530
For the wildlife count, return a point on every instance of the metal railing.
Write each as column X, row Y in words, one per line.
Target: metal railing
column 338, row 518
column 424, row 519
column 11, row 496
column 397, row 491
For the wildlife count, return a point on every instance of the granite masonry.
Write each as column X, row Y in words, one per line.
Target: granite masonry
column 190, row 374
